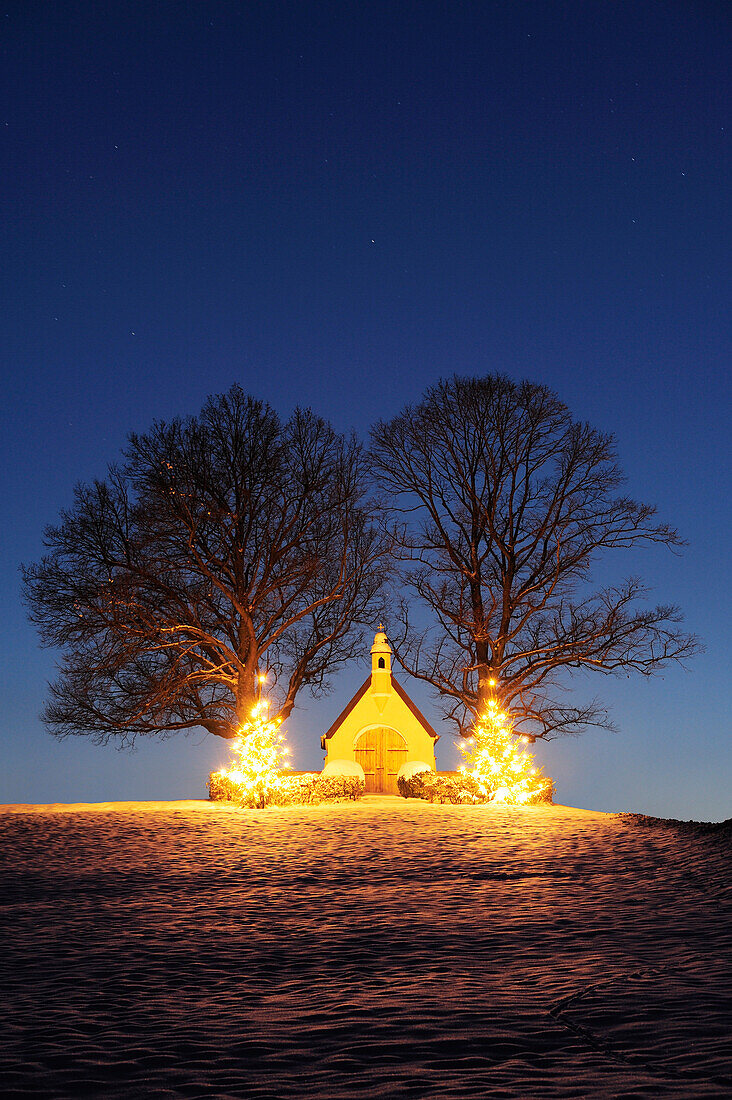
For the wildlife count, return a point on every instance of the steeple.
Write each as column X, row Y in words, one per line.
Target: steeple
column 381, row 669
column 380, row 653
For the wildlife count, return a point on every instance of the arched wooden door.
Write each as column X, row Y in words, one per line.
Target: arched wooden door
column 381, row 753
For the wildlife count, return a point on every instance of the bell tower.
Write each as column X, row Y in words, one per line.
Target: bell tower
column 381, row 669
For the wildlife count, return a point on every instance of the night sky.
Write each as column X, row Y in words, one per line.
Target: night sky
column 335, row 205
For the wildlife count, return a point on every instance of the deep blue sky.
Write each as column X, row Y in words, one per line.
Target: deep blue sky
column 334, row 205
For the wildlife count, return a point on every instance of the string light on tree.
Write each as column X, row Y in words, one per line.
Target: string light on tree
column 260, row 755
column 503, row 771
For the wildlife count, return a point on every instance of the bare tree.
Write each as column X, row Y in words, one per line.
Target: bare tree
column 507, row 502
column 223, row 546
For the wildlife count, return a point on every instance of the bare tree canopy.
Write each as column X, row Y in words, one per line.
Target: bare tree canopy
column 222, row 546
column 507, row 502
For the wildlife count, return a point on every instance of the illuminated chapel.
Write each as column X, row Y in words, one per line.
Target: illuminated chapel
column 380, row 731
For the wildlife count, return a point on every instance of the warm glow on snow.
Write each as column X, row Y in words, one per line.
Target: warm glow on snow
column 498, row 765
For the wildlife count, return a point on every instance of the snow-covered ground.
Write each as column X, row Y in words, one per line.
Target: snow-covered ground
column 383, row 948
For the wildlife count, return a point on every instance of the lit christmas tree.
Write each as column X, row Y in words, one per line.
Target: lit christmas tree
column 260, row 759
column 503, row 771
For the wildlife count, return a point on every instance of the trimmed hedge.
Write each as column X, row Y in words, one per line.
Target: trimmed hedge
column 221, row 789
column 457, row 789
column 338, row 788
column 308, row 789
column 545, row 797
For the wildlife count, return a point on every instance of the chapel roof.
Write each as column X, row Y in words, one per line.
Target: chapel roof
column 399, row 690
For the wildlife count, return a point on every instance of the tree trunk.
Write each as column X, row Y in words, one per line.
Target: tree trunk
column 483, row 651
column 485, row 691
column 246, row 690
column 245, row 703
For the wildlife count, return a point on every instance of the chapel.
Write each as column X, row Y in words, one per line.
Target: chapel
column 380, row 731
